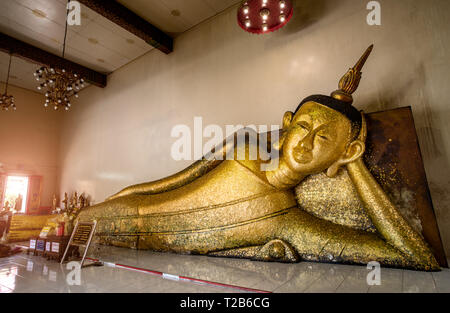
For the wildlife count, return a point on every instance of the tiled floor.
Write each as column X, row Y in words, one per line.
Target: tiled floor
column 23, row 273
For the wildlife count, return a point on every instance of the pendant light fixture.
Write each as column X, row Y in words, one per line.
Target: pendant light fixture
column 263, row 16
column 59, row 85
column 7, row 101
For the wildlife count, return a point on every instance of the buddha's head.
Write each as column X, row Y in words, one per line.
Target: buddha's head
column 322, row 135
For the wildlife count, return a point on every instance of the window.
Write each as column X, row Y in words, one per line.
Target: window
column 15, row 186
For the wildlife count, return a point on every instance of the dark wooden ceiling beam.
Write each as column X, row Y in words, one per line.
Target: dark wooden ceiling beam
column 131, row 22
column 33, row 54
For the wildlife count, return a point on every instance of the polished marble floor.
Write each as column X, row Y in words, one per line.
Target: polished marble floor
column 23, row 273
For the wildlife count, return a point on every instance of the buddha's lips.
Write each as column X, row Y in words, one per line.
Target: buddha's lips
column 303, row 158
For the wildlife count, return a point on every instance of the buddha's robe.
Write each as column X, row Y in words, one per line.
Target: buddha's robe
column 228, row 208
column 208, row 214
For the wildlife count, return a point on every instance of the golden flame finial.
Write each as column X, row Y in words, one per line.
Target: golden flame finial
column 350, row 81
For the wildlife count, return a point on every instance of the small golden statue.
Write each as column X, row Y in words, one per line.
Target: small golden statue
column 86, row 202
column 81, row 201
column 66, row 201
column 7, row 206
column 74, row 202
column 18, row 203
column 54, row 203
column 232, row 208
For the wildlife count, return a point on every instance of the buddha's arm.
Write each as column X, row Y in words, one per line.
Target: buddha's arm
column 196, row 170
column 175, row 181
column 320, row 240
column 386, row 218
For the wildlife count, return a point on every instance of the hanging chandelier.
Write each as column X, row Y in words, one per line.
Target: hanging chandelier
column 59, row 85
column 263, row 16
column 7, row 101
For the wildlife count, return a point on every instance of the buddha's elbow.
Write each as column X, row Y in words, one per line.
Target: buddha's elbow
column 432, row 264
column 120, row 194
column 426, row 262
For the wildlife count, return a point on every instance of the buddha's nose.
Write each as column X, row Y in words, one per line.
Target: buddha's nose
column 306, row 143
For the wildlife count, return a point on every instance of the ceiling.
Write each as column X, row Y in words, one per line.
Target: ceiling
column 21, row 72
column 177, row 16
column 97, row 43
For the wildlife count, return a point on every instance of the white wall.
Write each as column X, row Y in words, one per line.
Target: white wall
column 120, row 135
column 29, row 140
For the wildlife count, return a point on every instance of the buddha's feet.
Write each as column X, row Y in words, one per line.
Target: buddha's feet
column 273, row 251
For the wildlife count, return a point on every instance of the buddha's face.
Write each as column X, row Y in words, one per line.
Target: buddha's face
column 316, row 137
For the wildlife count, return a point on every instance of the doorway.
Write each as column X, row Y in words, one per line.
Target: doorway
column 15, row 186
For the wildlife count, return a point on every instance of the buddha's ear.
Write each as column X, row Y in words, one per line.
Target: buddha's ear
column 354, row 151
column 287, row 119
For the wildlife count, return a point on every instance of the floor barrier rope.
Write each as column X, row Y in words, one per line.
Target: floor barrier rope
column 176, row 277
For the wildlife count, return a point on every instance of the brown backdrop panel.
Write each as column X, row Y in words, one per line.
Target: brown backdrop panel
column 393, row 156
column 2, row 189
column 34, row 194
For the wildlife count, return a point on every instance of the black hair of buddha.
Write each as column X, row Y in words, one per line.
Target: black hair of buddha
column 342, row 107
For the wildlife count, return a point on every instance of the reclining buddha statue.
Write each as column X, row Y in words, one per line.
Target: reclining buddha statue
column 233, row 208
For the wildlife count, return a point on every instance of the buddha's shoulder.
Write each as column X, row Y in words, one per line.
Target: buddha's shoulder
column 245, row 169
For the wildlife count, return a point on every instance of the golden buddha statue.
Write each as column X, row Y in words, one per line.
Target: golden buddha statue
column 232, row 208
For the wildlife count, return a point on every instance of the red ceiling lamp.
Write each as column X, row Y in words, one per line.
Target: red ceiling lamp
column 263, row 16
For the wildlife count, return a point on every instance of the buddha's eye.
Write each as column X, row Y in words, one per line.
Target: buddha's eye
column 324, row 137
column 303, row 126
